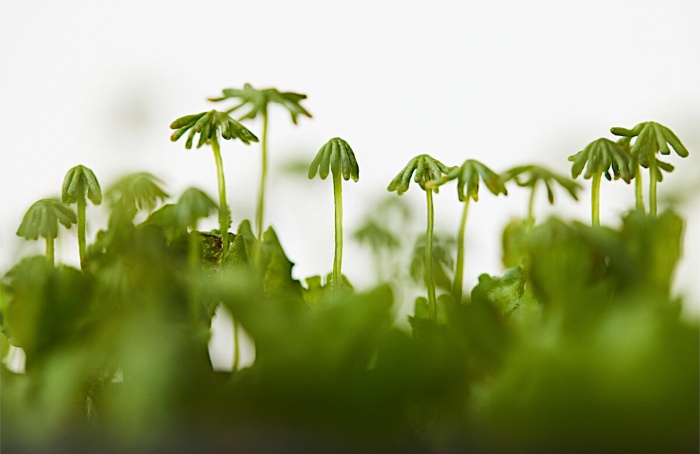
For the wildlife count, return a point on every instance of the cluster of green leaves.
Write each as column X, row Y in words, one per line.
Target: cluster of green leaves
column 578, row 346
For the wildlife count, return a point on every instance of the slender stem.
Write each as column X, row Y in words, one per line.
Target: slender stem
column 193, row 259
column 459, row 270
column 50, row 251
column 595, row 199
column 638, row 189
column 429, row 279
column 338, row 259
column 531, row 203
column 652, row 185
column 82, row 246
column 263, row 178
column 236, row 347
column 224, row 213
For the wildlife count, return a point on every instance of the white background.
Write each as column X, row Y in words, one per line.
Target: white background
column 504, row 82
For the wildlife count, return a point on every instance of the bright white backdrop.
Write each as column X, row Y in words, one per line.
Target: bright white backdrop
column 505, row 82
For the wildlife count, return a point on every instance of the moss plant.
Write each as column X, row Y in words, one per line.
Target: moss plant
column 426, row 169
column 337, row 157
column 258, row 101
column 79, row 186
column 468, row 176
column 210, row 125
column 42, row 219
column 650, row 138
column 599, row 157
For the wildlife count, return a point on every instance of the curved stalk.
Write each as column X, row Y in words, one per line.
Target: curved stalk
column 595, row 199
column 224, row 213
column 638, row 190
column 531, row 204
column 263, row 178
column 50, row 251
column 459, row 270
column 338, row 201
column 429, row 279
column 82, row 246
column 652, row 185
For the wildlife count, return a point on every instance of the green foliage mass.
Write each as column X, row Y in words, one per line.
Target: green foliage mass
column 580, row 344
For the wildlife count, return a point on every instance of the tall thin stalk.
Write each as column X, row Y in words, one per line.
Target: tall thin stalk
column 595, row 199
column 224, row 212
column 338, row 202
column 459, row 269
column 263, row 178
column 429, row 278
column 653, row 179
column 638, row 189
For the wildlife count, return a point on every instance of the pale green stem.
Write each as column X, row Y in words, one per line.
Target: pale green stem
column 224, row 213
column 652, row 185
column 638, row 190
column 236, row 347
column 595, row 199
column 50, row 251
column 338, row 201
column 429, row 280
column 459, row 270
column 82, row 246
column 263, row 178
column 531, row 204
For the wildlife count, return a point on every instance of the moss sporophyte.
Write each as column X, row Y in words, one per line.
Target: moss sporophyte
column 120, row 345
column 426, row 169
column 337, row 157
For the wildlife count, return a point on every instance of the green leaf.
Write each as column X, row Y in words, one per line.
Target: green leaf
column 505, row 293
column 443, row 263
column 193, row 205
column 47, row 307
column 654, row 246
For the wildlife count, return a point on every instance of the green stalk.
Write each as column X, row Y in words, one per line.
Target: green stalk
column 531, row 204
column 595, row 199
column 338, row 201
column 82, row 246
column 50, row 251
column 459, row 270
column 652, row 185
column 236, row 347
column 638, row 190
column 224, row 213
column 263, row 178
column 429, row 280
